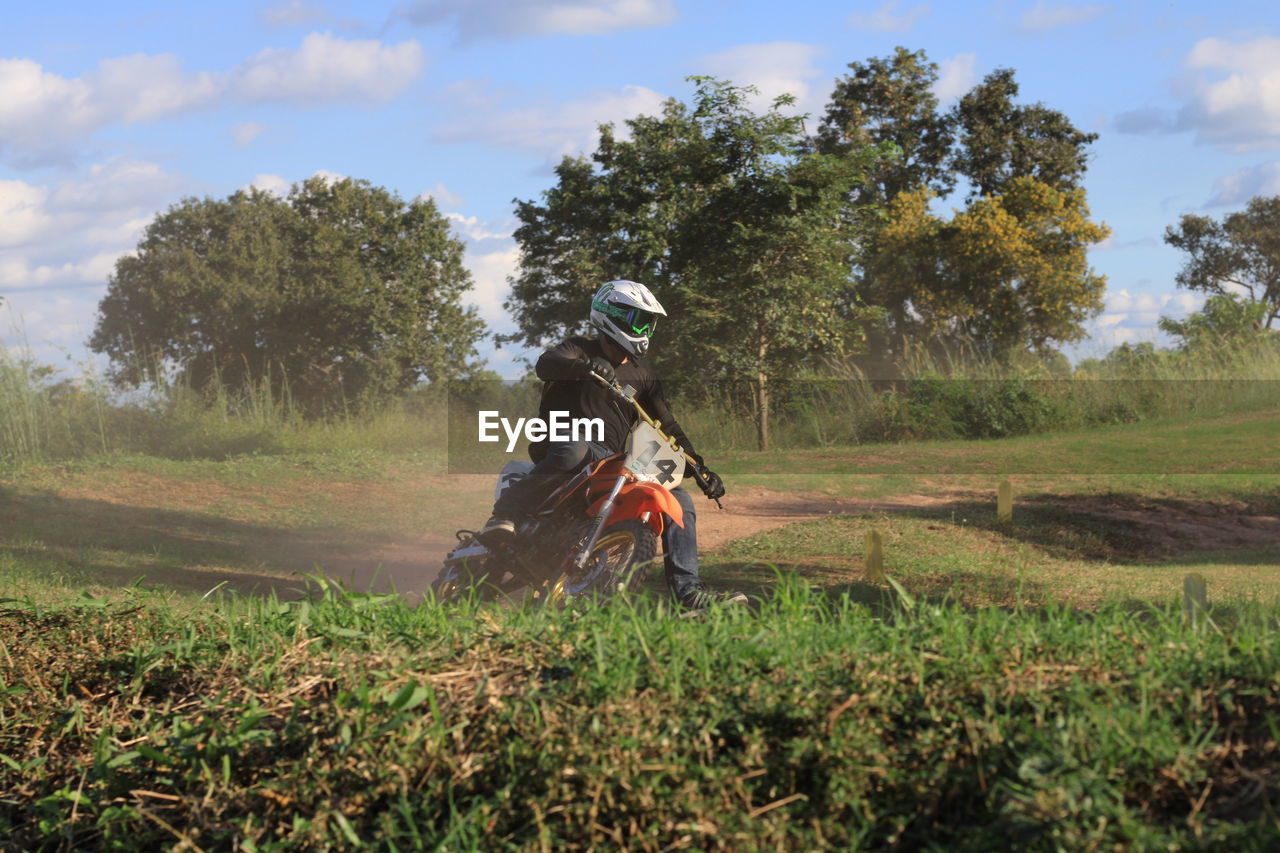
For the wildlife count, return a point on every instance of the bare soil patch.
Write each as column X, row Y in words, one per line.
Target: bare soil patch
column 1178, row 526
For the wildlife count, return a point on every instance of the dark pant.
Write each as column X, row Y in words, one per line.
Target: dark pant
column 679, row 544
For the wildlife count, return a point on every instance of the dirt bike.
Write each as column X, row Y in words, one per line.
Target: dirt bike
column 593, row 535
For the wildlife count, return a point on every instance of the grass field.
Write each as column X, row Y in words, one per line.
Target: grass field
column 1035, row 681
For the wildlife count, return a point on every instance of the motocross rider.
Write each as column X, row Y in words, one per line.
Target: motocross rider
column 624, row 313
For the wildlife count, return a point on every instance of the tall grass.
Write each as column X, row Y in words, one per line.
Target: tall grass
column 44, row 418
column 972, row 398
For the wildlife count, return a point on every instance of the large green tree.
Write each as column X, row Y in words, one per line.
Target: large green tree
column 724, row 214
column 999, row 140
column 340, row 293
column 1239, row 256
column 890, row 102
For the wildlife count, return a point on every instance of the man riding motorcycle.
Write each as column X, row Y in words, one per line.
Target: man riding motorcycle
column 625, row 314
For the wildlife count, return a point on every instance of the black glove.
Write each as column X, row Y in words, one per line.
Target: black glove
column 710, row 483
column 598, row 365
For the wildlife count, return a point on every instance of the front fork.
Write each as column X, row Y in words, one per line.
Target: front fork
column 606, row 509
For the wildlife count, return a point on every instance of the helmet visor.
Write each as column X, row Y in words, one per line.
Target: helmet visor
column 633, row 321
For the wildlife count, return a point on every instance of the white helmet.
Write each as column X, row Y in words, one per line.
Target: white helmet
column 627, row 312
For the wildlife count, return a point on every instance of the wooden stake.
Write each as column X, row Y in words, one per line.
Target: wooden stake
column 1004, row 502
column 873, row 558
column 1195, row 598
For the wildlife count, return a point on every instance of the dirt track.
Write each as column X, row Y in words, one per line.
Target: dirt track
column 391, row 533
column 409, row 565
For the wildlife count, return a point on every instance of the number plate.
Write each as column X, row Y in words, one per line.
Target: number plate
column 651, row 458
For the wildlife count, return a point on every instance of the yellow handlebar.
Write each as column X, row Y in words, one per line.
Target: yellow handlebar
column 644, row 416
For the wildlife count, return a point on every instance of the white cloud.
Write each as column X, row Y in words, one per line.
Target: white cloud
column 16, row 273
column 145, row 87
column 1232, row 93
column 100, row 207
column 50, row 327
column 269, row 183
column 278, row 185
column 328, row 68
column 443, row 196
column 116, row 185
column 1043, row 16
column 245, row 132
column 1134, row 317
column 1123, row 301
column 887, row 19
column 475, row 19
column 1242, row 185
column 490, row 271
column 553, row 130
column 22, row 212
column 473, row 228
column 43, row 114
column 119, row 233
column 327, row 176
column 1146, row 308
column 775, row 68
column 956, row 76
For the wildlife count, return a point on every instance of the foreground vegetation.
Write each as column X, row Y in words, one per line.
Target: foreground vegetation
column 350, row 720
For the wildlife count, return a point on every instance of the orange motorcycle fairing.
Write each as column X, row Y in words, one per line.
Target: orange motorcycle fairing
column 588, row 474
column 637, row 498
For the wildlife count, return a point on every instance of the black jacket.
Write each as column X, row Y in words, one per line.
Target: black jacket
column 563, row 367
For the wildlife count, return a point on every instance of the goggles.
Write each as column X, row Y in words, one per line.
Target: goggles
column 634, row 321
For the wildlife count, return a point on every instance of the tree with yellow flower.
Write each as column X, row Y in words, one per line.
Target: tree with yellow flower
column 1007, row 272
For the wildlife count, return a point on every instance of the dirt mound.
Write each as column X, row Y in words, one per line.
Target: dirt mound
column 1178, row 526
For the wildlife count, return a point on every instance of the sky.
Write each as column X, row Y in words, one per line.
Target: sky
column 110, row 113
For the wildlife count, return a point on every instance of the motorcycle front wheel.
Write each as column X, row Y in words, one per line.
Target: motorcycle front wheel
column 615, row 567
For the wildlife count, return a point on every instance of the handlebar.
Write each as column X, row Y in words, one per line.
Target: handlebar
column 621, row 392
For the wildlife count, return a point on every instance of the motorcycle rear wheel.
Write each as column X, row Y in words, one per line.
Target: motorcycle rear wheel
column 616, row 566
column 487, row 580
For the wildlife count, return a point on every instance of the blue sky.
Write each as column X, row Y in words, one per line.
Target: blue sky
column 109, row 113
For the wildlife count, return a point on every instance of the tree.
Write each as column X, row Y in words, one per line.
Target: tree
column 988, row 140
column 1000, row 141
column 725, row 216
column 340, row 293
column 889, row 102
column 1009, row 272
column 1239, row 255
